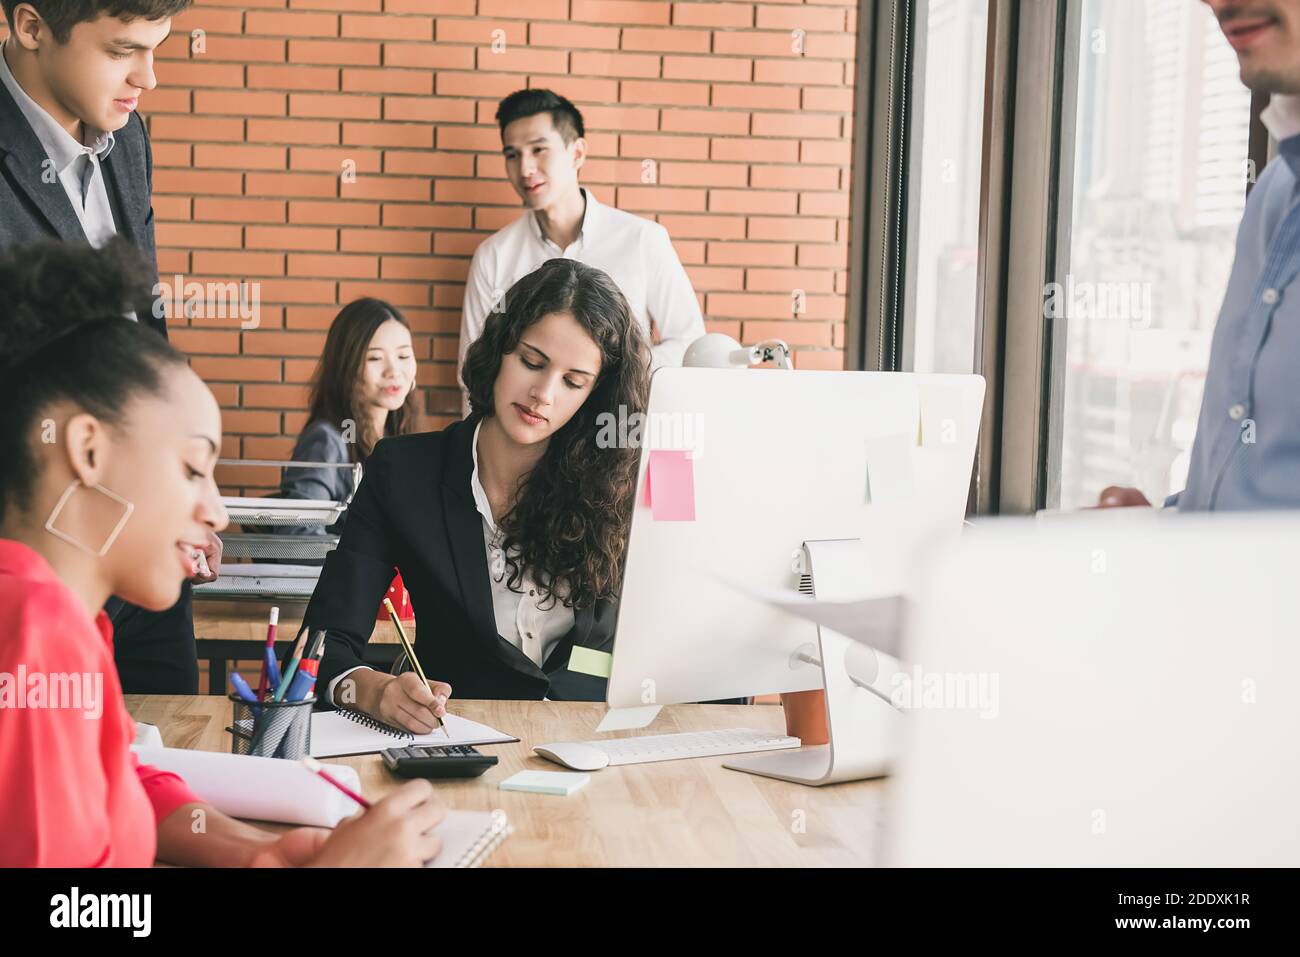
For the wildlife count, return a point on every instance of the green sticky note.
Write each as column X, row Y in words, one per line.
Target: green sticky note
column 589, row 661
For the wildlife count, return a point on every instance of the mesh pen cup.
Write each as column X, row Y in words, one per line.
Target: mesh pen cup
column 271, row 729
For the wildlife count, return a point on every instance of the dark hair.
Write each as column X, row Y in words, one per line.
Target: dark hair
column 525, row 103
column 569, row 524
column 335, row 385
column 64, row 336
column 62, row 15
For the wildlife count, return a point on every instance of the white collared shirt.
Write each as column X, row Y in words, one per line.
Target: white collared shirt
column 1282, row 115
column 76, row 164
column 635, row 252
column 520, row 617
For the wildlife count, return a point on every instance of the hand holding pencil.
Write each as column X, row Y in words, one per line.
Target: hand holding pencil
column 411, row 701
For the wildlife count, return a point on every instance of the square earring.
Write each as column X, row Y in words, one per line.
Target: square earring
column 128, row 507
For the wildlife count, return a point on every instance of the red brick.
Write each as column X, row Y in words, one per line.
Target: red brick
column 244, row 50
column 665, row 147
column 536, row 9
column 428, row 56
column 239, row 103
column 674, row 40
column 614, row 64
column 569, row 36
column 771, row 202
column 711, row 14
column 387, row 80
column 290, row 185
column 783, row 280
column 293, row 131
column 231, row 156
column 239, row 264
column 333, row 106
column 334, row 213
column 674, row 94
column 190, row 235
column 291, row 24
column 722, row 122
column 727, row 69
column 232, row 209
column 387, row 27
column 749, row 96
column 330, row 159
column 384, row 241
column 799, row 71
column 752, row 254
column 197, row 129
column 661, row 198
column 334, row 52
column 291, row 238
column 620, row 11
column 792, row 228
column 514, row 59
column 293, row 77
column 801, row 17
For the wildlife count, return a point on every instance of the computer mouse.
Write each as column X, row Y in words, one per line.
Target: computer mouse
column 574, row 754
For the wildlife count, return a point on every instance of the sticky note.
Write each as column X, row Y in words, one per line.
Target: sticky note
column 670, row 485
column 589, row 661
column 888, row 476
column 625, row 719
column 563, row 783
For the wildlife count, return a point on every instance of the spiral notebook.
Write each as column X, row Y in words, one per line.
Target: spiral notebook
column 336, row 734
column 468, row 837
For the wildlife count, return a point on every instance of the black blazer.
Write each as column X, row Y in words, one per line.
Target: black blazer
column 33, row 209
column 413, row 510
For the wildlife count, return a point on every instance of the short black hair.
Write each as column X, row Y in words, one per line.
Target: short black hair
column 65, row 337
column 525, row 103
column 63, row 15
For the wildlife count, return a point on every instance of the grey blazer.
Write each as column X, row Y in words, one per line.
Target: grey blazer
column 32, row 209
column 320, row 441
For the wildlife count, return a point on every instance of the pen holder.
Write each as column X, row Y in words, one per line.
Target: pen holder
column 271, row 729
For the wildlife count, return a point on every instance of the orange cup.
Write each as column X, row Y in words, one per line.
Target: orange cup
column 805, row 716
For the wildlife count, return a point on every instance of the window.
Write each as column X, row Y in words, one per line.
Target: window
column 1158, row 187
column 940, row 321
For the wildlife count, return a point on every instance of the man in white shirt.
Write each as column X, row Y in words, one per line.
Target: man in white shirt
column 542, row 141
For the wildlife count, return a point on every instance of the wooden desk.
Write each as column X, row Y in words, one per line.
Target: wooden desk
column 691, row 813
column 226, row 631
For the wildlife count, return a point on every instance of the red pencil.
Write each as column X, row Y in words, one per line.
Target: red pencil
column 270, row 645
column 313, row 765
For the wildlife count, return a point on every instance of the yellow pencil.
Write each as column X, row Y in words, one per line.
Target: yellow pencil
column 410, row 654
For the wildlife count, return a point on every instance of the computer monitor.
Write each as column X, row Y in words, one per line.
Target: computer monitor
column 779, row 458
column 1144, row 712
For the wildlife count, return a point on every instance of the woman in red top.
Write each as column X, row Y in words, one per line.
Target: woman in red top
column 107, row 446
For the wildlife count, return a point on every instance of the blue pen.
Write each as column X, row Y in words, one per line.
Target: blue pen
column 272, row 668
column 301, row 686
column 245, row 692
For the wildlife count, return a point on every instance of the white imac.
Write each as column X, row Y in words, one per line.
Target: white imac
column 876, row 463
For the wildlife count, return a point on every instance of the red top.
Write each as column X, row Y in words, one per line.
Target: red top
column 72, row 793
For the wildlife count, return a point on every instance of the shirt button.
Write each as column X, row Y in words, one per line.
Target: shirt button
column 1237, row 411
column 1269, row 297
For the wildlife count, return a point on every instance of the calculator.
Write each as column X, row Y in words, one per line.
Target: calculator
column 454, row 761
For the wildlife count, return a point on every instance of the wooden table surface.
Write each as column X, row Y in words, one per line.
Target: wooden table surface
column 691, row 813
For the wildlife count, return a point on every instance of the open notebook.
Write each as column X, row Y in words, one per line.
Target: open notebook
column 343, row 732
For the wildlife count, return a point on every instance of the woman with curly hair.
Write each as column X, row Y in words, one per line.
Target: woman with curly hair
column 509, row 528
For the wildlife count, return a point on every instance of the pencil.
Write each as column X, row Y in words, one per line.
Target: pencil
column 410, row 654
column 311, row 764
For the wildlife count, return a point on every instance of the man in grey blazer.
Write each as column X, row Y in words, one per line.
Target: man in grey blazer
column 75, row 163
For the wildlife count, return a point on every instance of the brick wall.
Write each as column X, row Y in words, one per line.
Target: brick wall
column 254, row 122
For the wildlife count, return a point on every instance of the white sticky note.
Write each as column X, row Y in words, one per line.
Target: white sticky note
column 889, row 477
column 563, row 783
column 624, row 719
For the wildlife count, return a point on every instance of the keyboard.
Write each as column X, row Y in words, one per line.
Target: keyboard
column 691, row 744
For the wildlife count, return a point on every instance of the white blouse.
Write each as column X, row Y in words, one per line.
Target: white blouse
column 521, row 620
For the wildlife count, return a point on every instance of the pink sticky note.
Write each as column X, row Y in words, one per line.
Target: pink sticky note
column 670, row 486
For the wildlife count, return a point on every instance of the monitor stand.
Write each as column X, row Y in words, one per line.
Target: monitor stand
column 864, row 728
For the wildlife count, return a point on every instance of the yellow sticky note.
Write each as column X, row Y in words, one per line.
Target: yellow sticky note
column 589, row 661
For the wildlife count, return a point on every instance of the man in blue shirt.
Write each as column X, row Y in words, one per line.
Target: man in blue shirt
column 1247, row 449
